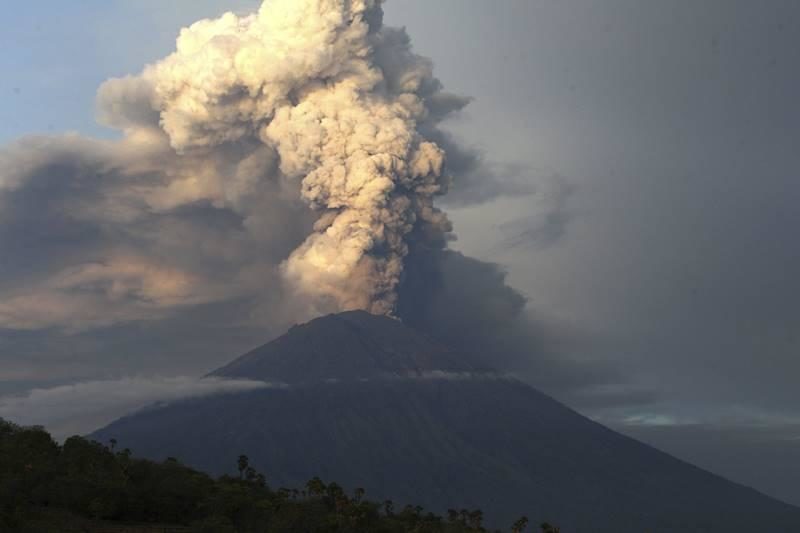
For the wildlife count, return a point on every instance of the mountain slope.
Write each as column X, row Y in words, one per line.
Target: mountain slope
column 373, row 404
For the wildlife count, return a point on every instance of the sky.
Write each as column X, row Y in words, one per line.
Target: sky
column 643, row 199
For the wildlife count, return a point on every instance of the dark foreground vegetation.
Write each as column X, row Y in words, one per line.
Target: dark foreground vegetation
column 84, row 485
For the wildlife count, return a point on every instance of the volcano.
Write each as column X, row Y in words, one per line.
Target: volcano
column 367, row 402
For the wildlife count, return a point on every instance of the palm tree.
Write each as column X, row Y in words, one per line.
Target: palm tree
column 520, row 525
column 243, row 463
column 316, row 487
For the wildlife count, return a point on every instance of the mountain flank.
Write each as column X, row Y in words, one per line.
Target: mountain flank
column 372, row 403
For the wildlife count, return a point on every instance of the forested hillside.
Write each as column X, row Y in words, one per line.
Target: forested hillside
column 84, row 485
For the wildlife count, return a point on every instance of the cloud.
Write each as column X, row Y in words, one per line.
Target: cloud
column 607, row 396
column 82, row 407
column 95, row 233
column 477, row 179
column 82, row 296
column 548, row 223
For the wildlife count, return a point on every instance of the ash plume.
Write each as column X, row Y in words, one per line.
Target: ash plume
column 321, row 94
column 285, row 161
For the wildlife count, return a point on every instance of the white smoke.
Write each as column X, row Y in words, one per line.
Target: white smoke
column 318, row 92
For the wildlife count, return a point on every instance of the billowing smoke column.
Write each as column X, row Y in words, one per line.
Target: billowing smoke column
column 338, row 100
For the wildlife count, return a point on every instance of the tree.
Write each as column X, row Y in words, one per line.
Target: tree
column 243, row 463
column 520, row 525
column 547, row 528
column 476, row 519
column 316, row 487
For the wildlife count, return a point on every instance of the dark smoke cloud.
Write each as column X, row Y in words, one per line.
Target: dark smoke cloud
column 467, row 304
